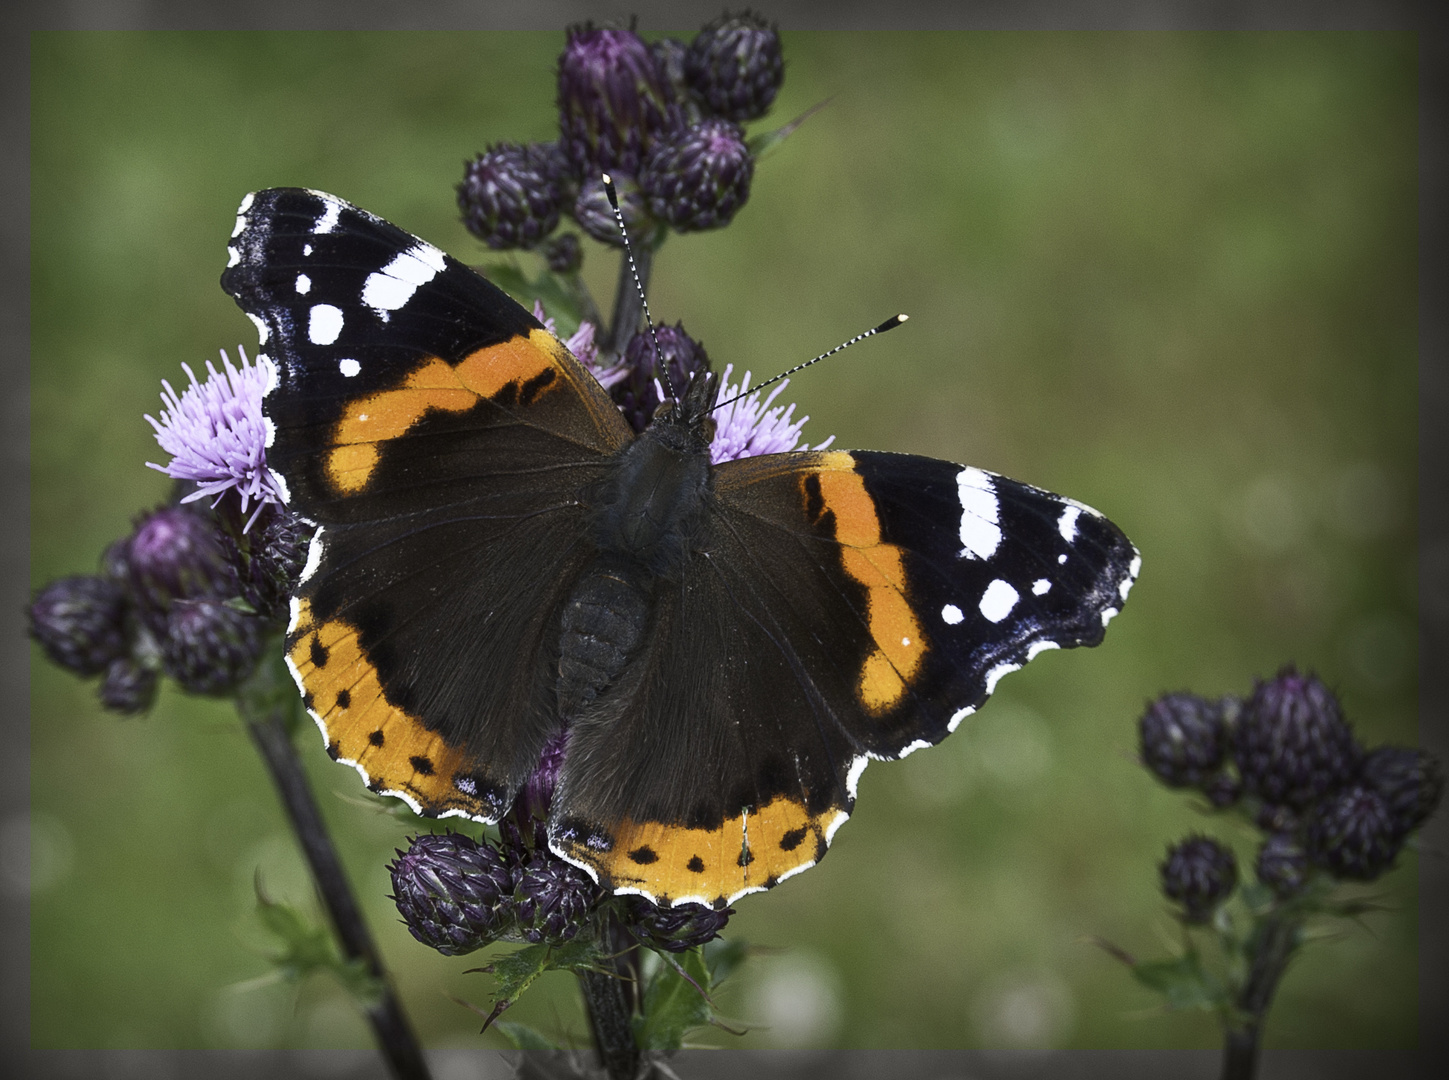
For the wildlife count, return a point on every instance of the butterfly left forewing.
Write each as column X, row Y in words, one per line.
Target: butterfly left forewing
column 439, row 437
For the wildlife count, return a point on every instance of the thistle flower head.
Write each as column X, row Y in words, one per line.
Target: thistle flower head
column 215, row 432
column 753, row 425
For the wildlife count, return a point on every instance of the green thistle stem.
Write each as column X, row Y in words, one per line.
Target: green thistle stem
column 1270, row 948
column 611, row 1001
column 628, row 304
column 389, row 1023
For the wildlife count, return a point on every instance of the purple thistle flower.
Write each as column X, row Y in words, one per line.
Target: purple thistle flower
column 751, row 426
column 216, row 435
column 581, row 343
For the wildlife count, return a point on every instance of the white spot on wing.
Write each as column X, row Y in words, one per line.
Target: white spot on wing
column 840, row 818
column 1036, row 648
column 852, row 777
column 349, row 367
column 271, row 429
column 331, row 211
column 1061, row 559
column 314, row 557
column 1108, row 614
column 994, row 675
column 980, row 509
column 304, row 284
column 233, row 256
column 951, row 614
column 919, row 744
column 998, row 600
column 1040, row 587
column 1067, row 523
column 261, row 328
column 393, row 286
column 306, row 249
column 961, row 714
column 281, row 482
column 324, row 323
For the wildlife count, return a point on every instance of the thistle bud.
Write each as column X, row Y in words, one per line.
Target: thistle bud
column 454, row 894
column 613, row 101
column 734, row 66
column 676, row 929
column 700, row 178
column 510, row 196
column 128, row 686
column 564, row 254
column 174, row 553
column 209, row 648
column 552, row 898
column 595, row 215
column 1181, row 739
column 1353, row 835
column 1291, row 744
column 1199, row 873
column 1282, row 865
column 636, row 395
column 1410, row 781
column 265, row 562
column 80, row 622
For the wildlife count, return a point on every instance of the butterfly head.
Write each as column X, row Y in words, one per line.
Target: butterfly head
column 686, row 424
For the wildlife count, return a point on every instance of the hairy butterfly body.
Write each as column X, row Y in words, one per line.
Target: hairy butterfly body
column 501, row 567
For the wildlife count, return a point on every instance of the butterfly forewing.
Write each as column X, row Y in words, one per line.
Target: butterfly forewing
column 440, row 437
column 842, row 606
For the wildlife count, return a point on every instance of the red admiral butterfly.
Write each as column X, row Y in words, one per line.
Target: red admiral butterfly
column 499, row 557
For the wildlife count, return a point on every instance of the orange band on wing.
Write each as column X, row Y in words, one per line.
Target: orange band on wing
column 396, row 753
column 435, row 385
column 672, row 863
column 878, row 566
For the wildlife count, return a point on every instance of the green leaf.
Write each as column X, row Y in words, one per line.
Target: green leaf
column 308, row 947
column 722, row 956
column 523, row 1037
column 767, row 141
column 562, row 298
column 516, row 971
column 1183, row 982
column 672, row 1003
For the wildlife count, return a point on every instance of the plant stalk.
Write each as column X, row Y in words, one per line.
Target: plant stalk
column 611, row 1021
column 1272, row 947
column 628, row 300
column 389, row 1023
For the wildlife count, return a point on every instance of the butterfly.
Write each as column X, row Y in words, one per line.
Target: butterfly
column 499, row 560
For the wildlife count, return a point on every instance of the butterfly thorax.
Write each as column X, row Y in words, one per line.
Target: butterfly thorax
column 645, row 519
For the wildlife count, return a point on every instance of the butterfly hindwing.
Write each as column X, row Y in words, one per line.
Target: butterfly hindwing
column 439, row 437
column 841, row 607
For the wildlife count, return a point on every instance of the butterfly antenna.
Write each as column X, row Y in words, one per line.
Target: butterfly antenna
column 659, row 363
column 889, row 324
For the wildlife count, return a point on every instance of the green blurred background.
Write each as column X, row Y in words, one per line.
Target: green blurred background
column 1172, row 275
